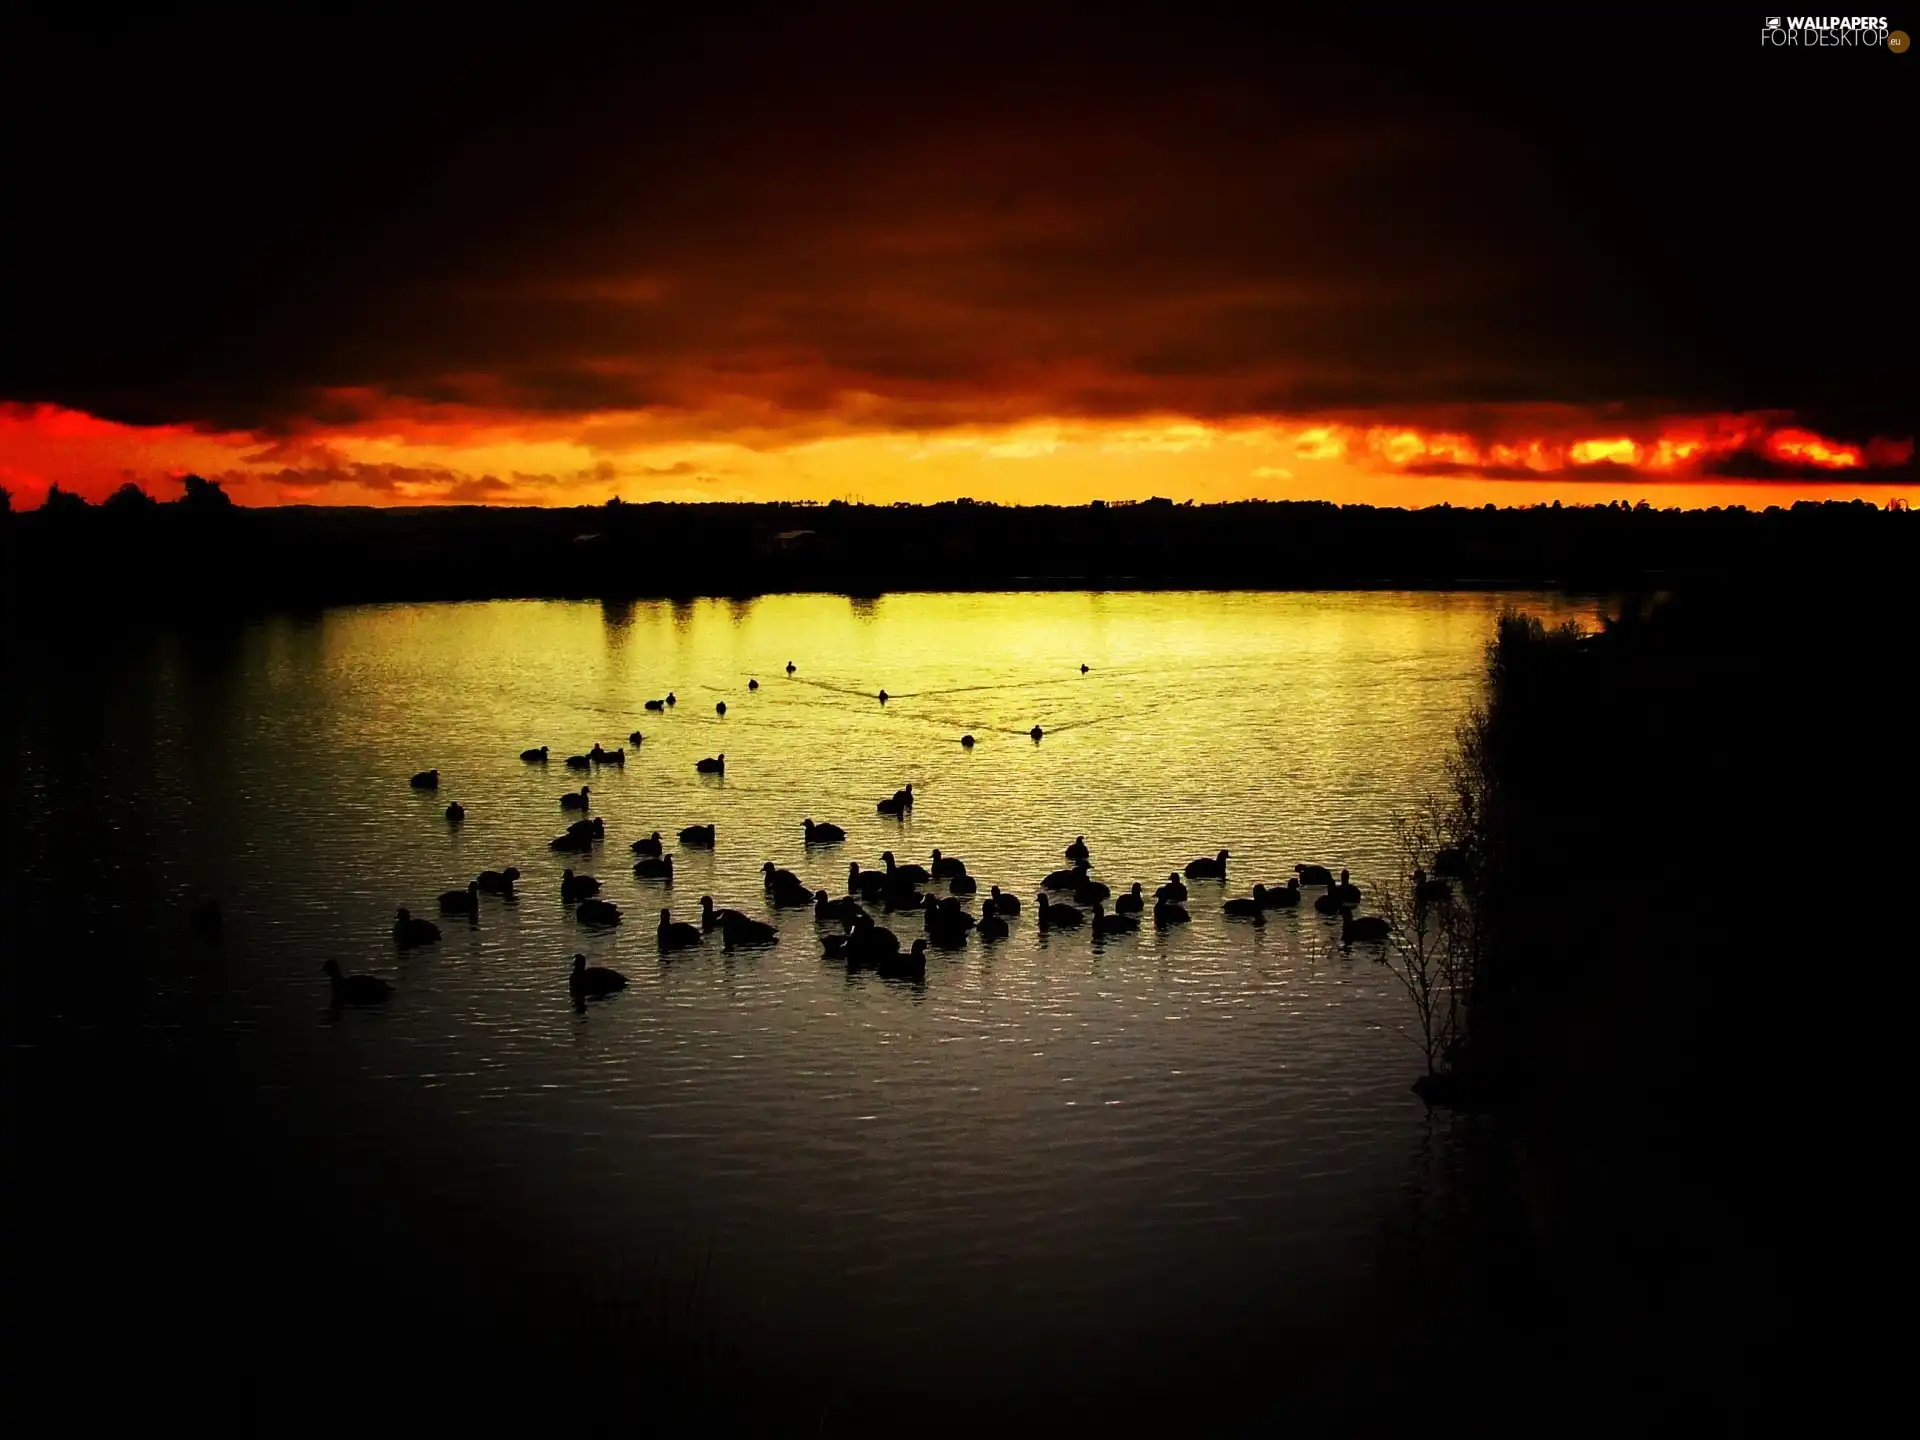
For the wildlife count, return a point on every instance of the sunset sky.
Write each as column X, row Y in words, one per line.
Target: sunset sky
column 859, row 256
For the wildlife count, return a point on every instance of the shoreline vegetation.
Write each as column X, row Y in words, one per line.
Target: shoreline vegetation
column 203, row 552
column 1667, row 839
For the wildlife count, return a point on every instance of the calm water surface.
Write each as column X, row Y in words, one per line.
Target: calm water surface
column 1051, row 1151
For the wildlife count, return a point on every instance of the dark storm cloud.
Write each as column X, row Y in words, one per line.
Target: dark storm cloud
column 1744, row 465
column 956, row 217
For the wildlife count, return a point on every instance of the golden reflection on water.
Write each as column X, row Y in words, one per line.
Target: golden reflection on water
column 1217, row 1099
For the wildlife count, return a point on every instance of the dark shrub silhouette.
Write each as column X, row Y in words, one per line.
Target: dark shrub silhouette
column 63, row 502
column 130, row 499
column 204, row 495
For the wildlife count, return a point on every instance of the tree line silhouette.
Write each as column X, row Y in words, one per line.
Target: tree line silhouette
column 204, row 550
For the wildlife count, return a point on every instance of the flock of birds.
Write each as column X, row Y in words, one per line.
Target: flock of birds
column 1068, row 898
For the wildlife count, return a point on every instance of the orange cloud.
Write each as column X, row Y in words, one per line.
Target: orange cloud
column 369, row 452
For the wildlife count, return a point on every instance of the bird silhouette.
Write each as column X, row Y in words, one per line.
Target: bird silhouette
column 592, row 982
column 356, row 989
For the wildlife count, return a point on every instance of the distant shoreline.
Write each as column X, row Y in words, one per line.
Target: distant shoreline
column 168, row 558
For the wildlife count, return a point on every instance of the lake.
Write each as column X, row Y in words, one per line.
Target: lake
column 1053, row 1173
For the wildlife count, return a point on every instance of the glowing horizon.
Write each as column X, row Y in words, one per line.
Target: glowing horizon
column 450, row 455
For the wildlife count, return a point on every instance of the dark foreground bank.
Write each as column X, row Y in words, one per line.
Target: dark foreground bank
column 205, row 552
column 1684, row 840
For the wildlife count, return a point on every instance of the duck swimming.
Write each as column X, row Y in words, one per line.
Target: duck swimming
column 1280, row 897
column 1427, row 891
column 712, row 919
column 1313, row 874
column 753, row 684
column 635, row 739
column 578, row 887
column 456, row 812
column 616, row 758
column 1036, row 733
column 1208, row 869
column 720, row 709
column 1131, row 903
column 461, row 902
column 1347, row 890
column 843, row 911
column 497, row 882
column 672, row 699
column 575, row 800
column 1166, row 913
column 573, row 843
column 789, row 894
column 1105, row 924
column 946, row 866
column 1174, row 891
column 1063, row 917
column 712, row 765
column 648, row 845
column 1090, row 890
column 656, row 705
column 741, row 930
column 1367, row 930
column 654, row 867
column 946, row 918
column 1005, row 904
column 963, row 884
column 991, row 926
column 591, row 982
column 579, row 762
column 870, row 945
column 776, row 879
column 589, row 830
column 883, row 697
column 700, row 835
column 1077, row 852
column 791, row 667
column 823, row 834
column 672, row 935
column 356, row 989
column 966, row 742
column 898, row 874
column 1329, row 903
column 910, row 966
column 535, row 756
column 426, row 780
column 409, row 931
column 868, row 884
column 1248, row 908
column 597, row 912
